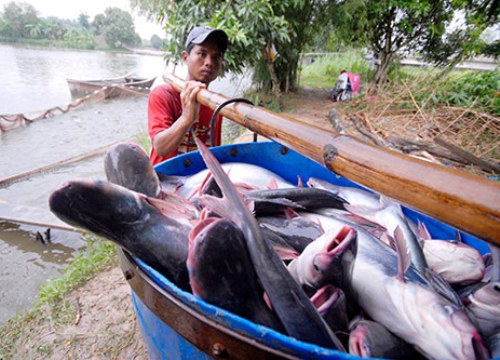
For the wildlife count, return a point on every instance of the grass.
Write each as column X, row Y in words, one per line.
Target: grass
column 96, row 255
column 323, row 72
column 463, row 88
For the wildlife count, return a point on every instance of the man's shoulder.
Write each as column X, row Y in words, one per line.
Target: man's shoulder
column 164, row 89
column 164, row 93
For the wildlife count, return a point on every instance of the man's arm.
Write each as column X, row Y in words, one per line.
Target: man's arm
column 168, row 140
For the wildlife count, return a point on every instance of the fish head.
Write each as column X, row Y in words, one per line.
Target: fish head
column 326, row 298
column 457, row 263
column 445, row 332
column 359, row 341
column 329, row 259
column 96, row 205
column 484, row 307
column 128, row 165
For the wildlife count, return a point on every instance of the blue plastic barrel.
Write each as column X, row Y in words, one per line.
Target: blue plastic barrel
column 178, row 325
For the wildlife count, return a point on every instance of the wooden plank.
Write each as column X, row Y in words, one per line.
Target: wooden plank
column 466, row 201
column 21, row 214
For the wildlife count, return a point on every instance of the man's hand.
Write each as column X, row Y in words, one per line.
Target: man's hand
column 191, row 107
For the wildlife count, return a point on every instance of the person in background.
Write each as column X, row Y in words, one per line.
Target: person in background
column 341, row 84
column 175, row 119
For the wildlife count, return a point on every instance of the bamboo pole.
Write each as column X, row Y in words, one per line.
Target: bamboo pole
column 462, row 200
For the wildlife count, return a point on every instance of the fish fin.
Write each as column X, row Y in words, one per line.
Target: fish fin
column 423, row 232
column 198, row 227
column 442, row 287
column 166, row 208
column 290, row 213
column 458, row 237
column 273, row 184
column 215, row 204
column 204, row 183
column 404, row 259
column 300, row 184
column 286, row 253
column 267, row 301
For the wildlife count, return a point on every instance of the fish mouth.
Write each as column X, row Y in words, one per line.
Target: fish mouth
column 341, row 241
column 325, row 297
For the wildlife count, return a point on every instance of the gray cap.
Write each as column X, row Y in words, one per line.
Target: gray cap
column 200, row 33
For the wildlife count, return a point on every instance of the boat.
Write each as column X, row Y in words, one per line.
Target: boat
column 178, row 325
column 123, row 85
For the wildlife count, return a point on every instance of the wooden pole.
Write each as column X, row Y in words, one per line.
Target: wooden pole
column 462, row 200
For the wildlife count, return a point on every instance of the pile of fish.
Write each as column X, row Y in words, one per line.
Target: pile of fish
column 338, row 267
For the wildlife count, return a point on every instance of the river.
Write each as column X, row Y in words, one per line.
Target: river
column 34, row 79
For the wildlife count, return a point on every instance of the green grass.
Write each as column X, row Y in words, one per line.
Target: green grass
column 142, row 138
column 95, row 256
column 323, row 72
column 462, row 88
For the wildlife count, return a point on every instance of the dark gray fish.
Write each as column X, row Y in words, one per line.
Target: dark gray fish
column 273, row 201
column 282, row 248
column 332, row 305
column 293, row 307
column 128, row 165
column 370, row 339
column 151, row 229
column 298, row 232
column 222, row 274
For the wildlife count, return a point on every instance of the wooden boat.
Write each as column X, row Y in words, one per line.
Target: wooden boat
column 79, row 88
column 178, row 325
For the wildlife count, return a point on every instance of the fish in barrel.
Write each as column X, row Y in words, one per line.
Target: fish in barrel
column 337, row 267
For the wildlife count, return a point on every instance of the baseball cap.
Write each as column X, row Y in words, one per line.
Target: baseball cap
column 200, row 33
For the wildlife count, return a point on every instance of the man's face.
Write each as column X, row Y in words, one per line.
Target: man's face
column 204, row 62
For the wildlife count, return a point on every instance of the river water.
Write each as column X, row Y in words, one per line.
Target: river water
column 34, row 79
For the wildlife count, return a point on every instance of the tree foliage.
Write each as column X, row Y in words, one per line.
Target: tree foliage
column 258, row 30
column 117, row 27
column 20, row 21
column 18, row 16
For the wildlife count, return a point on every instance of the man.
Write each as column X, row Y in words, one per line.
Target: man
column 174, row 119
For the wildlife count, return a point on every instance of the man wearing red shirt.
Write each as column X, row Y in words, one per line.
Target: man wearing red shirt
column 174, row 119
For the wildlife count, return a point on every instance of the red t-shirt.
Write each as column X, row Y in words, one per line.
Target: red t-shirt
column 164, row 108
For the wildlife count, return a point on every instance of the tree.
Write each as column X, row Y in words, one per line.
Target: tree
column 393, row 27
column 476, row 18
column 19, row 19
column 117, row 27
column 263, row 33
column 156, row 42
column 83, row 20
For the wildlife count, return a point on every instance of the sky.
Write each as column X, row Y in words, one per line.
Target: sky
column 71, row 9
